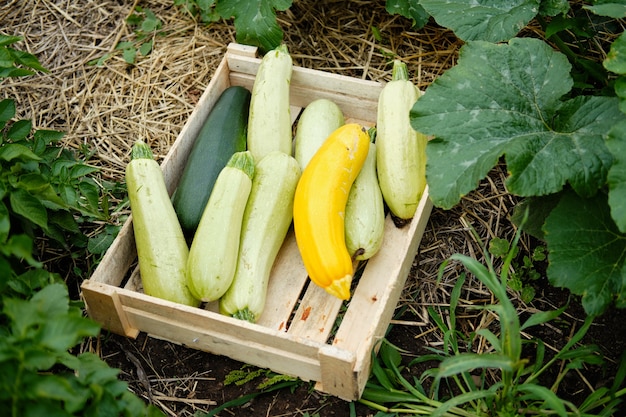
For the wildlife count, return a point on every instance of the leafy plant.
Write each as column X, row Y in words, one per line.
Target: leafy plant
column 255, row 21
column 524, row 273
column 514, row 100
column 16, row 63
column 39, row 376
column 45, row 191
column 461, row 386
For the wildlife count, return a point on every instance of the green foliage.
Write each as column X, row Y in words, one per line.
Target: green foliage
column 564, row 151
column 460, row 385
column 409, row 9
column 249, row 373
column 255, row 21
column 45, row 191
column 38, row 374
column 42, row 184
column 524, row 274
column 16, row 63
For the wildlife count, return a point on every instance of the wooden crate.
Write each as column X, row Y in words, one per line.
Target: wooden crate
column 303, row 331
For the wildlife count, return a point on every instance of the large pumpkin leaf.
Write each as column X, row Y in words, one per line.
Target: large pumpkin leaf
column 616, row 143
column 505, row 99
column 488, row 20
column 410, row 9
column 587, row 253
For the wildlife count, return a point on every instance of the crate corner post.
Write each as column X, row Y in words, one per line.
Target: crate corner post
column 103, row 305
column 338, row 374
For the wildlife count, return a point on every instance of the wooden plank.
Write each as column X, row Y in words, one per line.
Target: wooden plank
column 222, row 335
column 316, row 314
column 287, row 280
column 118, row 258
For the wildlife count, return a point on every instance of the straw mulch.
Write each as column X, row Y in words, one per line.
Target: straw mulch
column 106, row 108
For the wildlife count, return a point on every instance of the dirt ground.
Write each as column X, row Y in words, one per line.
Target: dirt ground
column 107, row 107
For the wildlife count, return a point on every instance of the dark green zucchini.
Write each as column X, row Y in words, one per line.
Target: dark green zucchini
column 223, row 133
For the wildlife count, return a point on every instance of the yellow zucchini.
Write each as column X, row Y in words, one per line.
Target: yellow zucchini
column 161, row 247
column 266, row 220
column 320, row 204
column 401, row 151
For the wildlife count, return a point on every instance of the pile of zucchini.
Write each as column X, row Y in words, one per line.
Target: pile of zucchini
column 247, row 179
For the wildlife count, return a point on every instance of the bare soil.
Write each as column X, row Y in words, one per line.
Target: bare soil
column 106, row 108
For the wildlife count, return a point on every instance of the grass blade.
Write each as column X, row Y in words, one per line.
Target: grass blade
column 466, row 362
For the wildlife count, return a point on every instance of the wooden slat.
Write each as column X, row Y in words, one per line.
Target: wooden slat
column 287, row 279
column 379, row 288
column 222, row 335
column 316, row 314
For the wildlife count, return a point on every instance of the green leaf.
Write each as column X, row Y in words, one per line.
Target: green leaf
column 488, row 20
column 549, row 399
column 616, row 142
column 7, row 110
column 542, row 317
column 8, row 40
column 586, row 251
column 21, row 246
column 616, row 58
column 499, row 247
column 620, row 91
column 411, row 9
column 505, row 99
column 146, row 48
column 466, row 362
column 608, row 8
column 29, row 207
column 129, row 55
column 48, row 136
column 13, row 151
column 553, row 7
column 28, row 60
column 255, row 21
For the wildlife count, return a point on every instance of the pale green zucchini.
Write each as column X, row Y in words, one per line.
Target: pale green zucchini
column 401, row 151
column 365, row 211
column 269, row 122
column 318, row 120
column 215, row 246
column 266, row 220
column 161, row 247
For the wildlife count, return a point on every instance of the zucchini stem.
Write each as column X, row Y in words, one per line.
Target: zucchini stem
column 243, row 161
column 141, row 150
column 399, row 71
column 245, row 314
